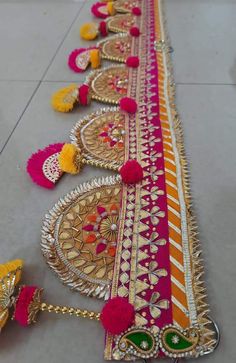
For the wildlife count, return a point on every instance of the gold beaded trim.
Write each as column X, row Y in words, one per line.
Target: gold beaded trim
column 70, row 311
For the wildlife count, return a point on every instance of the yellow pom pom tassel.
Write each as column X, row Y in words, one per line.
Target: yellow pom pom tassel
column 89, row 31
column 11, row 266
column 95, row 58
column 70, row 159
column 65, row 99
column 10, row 274
column 110, row 8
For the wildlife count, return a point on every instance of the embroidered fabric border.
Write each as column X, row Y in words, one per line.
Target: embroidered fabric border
column 157, row 262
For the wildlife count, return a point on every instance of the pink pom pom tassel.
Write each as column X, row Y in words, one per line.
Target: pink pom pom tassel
column 73, row 59
column 36, row 162
column 117, row 315
column 103, row 29
column 134, row 31
column 131, row 172
column 132, row 62
column 128, row 104
column 136, row 11
column 95, row 9
column 83, row 97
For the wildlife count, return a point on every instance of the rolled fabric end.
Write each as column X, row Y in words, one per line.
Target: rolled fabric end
column 83, row 95
column 103, row 29
column 27, row 305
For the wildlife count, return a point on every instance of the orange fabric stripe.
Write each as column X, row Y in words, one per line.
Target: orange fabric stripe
column 174, row 219
column 173, row 205
column 167, row 148
column 181, row 296
column 175, row 236
column 180, row 317
column 171, row 178
column 177, row 254
column 177, row 274
column 170, row 166
column 173, row 192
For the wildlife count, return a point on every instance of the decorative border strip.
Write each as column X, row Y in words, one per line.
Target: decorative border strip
column 200, row 314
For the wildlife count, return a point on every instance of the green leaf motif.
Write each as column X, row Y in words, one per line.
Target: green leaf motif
column 177, row 341
column 141, row 340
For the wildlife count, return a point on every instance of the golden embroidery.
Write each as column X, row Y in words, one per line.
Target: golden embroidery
column 100, row 136
column 116, row 48
column 80, row 233
column 109, row 85
column 121, row 23
column 124, row 6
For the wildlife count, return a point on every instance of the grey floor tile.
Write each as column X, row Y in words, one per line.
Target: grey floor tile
column 202, row 33
column 208, row 115
column 59, row 69
column 14, row 99
column 30, row 34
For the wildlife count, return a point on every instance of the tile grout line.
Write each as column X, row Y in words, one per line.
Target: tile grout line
column 17, row 123
column 41, row 81
column 62, row 41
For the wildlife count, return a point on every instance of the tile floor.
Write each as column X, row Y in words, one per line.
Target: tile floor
column 35, row 38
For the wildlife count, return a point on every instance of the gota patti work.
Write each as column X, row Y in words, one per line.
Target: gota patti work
column 130, row 238
column 156, row 263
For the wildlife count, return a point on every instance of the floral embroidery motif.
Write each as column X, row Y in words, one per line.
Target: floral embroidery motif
column 116, row 48
column 122, row 46
column 84, row 220
column 103, row 228
column 129, row 5
column 154, row 242
column 113, row 134
column 121, row 23
column 110, row 84
column 156, row 214
column 118, row 84
column 127, row 23
column 101, row 137
column 156, row 305
column 155, row 273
